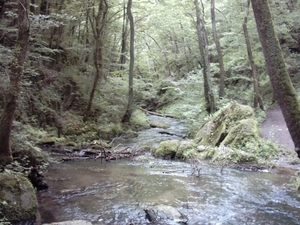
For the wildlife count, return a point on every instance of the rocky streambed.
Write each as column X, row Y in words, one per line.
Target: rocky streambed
column 147, row 190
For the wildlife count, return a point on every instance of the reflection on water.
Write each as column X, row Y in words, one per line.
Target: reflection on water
column 117, row 193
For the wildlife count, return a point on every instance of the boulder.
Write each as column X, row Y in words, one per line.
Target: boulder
column 235, row 127
column 216, row 130
column 164, row 214
column 167, row 149
column 176, row 149
column 18, row 202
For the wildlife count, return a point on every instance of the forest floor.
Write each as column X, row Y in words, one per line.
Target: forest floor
column 274, row 128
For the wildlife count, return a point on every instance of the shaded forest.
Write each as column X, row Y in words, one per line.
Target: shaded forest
column 190, row 60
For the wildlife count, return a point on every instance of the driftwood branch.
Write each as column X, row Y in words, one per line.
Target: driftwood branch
column 159, row 114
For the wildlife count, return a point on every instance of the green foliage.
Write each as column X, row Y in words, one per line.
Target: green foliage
column 168, row 77
column 294, row 182
column 24, row 140
column 230, row 156
column 139, row 120
column 190, row 105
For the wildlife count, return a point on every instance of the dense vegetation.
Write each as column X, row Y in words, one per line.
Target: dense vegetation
column 75, row 81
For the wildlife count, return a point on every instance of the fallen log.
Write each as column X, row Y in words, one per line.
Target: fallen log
column 159, row 114
column 172, row 134
column 66, row 159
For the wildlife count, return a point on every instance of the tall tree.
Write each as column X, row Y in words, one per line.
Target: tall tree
column 219, row 50
column 257, row 100
column 98, row 28
column 129, row 110
column 124, row 38
column 280, row 79
column 204, row 54
column 15, row 76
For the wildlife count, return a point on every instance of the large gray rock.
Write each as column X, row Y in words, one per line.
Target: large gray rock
column 164, row 214
column 18, row 200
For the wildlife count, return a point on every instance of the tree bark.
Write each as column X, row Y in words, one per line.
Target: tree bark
column 100, row 22
column 16, row 72
column 257, row 100
column 124, row 38
column 280, row 79
column 203, row 48
column 129, row 110
column 219, row 51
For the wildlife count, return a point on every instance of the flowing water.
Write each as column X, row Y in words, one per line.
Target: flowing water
column 117, row 192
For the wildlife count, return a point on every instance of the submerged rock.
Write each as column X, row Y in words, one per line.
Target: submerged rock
column 164, row 214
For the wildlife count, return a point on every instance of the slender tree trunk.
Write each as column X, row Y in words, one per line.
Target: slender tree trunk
column 280, row 79
column 257, row 101
column 219, row 50
column 124, row 38
column 100, row 22
column 16, row 72
column 87, row 41
column 129, row 110
column 203, row 48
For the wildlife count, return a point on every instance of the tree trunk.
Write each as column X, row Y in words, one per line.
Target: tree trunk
column 16, row 72
column 280, row 79
column 124, row 38
column 219, row 50
column 129, row 110
column 257, row 101
column 203, row 48
column 100, row 22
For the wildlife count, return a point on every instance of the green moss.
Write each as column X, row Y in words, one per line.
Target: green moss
column 18, row 199
column 186, row 149
column 160, row 124
column 110, row 130
column 230, row 155
column 235, row 126
column 167, row 149
column 215, row 130
column 139, row 120
column 241, row 133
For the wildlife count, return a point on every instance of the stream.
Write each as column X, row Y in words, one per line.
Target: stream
column 118, row 192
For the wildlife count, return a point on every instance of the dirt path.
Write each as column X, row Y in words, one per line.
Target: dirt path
column 274, row 128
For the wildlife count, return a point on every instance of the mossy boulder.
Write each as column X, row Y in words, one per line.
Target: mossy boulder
column 167, row 149
column 179, row 149
column 187, row 149
column 235, row 126
column 233, row 155
column 160, row 124
column 217, row 129
column 18, row 200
